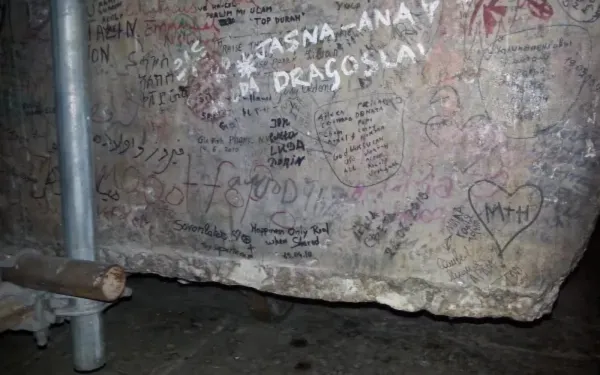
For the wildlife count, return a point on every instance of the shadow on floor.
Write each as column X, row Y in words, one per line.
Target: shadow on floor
column 167, row 328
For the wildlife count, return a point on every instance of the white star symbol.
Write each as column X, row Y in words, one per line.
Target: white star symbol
column 246, row 66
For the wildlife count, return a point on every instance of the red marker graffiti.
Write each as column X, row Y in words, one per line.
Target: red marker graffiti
column 538, row 8
column 490, row 12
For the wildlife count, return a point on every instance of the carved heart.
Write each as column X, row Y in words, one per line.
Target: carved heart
column 505, row 215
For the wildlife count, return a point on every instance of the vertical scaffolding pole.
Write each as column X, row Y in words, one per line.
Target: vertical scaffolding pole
column 69, row 50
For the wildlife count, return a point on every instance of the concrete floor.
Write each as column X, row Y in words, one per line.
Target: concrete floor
column 170, row 329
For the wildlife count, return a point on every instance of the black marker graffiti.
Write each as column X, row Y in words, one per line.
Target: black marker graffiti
column 364, row 152
column 505, row 215
column 526, row 102
column 581, row 10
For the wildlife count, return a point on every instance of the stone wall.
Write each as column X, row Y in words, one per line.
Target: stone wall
column 425, row 154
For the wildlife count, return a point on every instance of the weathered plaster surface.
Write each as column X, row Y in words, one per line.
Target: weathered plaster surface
column 436, row 155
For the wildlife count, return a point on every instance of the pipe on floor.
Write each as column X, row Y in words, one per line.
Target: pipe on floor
column 69, row 48
column 70, row 277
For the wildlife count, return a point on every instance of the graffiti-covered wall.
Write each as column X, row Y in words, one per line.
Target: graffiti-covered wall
column 425, row 154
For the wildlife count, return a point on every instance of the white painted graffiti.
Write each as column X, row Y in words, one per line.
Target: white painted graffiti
column 349, row 66
column 367, row 64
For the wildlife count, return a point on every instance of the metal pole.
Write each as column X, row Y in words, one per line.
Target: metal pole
column 69, row 46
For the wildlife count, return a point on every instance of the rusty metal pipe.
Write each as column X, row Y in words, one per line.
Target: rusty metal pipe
column 71, row 277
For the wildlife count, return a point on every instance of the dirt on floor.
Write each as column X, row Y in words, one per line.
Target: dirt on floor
column 172, row 329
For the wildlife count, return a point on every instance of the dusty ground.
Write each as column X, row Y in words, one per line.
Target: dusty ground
column 170, row 329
